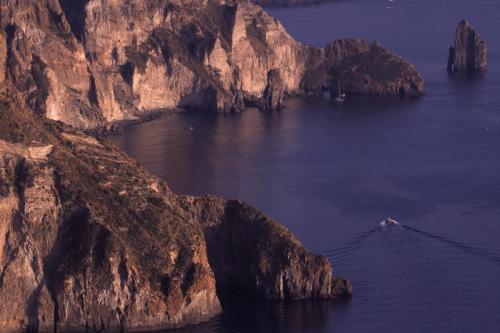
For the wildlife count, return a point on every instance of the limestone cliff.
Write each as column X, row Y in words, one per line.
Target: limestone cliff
column 88, row 62
column 91, row 241
column 469, row 52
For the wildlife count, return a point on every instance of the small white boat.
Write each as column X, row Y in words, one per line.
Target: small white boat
column 389, row 221
column 340, row 96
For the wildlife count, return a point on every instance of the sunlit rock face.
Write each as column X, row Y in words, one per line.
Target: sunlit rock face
column 469, row 52
column 3, row 55
column 89, row 62
column 90, row 241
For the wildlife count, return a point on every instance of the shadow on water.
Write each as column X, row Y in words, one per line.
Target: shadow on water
column 271, row 317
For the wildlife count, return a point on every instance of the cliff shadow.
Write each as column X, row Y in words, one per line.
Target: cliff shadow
column 268, row 317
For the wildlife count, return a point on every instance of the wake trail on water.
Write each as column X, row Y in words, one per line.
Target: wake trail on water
column 344, row 252
column 470, row 249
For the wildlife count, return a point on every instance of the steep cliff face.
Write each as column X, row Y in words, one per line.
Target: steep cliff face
column 3, row 55
column 47, row 63
column 91, row 241
column 469, row 52
column 253, row 255
column 87, row 62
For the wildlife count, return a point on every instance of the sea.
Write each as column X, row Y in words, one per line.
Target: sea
column 332, row 172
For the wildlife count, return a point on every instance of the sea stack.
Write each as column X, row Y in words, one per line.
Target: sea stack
column 469, row 52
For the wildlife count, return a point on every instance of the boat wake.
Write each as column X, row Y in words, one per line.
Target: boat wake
column 343, row 253
column 470, row 249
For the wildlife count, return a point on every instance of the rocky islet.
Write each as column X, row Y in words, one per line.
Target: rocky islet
column 469, row 52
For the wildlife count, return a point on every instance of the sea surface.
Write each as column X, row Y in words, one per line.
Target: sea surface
column 331, row 173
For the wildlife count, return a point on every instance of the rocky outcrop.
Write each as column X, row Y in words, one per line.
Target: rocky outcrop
column 365, row 68
column 469, row 52
column 254, row 255
column 91, row 241
column 89, row 62
column 274, row 93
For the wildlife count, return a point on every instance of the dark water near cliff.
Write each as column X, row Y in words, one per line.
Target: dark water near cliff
column 332, row 173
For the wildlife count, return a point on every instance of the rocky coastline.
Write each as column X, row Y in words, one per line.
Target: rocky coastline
column 89, row 63
column 91, row 241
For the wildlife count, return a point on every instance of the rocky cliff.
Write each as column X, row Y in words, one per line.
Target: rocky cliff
column 91, row 241
column 363, row 68
column 252, row 254
column 3, row 55
column 88, row 62
column 469, row 52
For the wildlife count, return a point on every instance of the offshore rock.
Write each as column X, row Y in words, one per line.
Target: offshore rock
column 89, row 241
column 89, row 62
column 363, row 68
column 469, row 52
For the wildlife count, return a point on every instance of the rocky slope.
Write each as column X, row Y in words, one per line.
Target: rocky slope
column 469, row 52
column 88, row 62
column 91, row 241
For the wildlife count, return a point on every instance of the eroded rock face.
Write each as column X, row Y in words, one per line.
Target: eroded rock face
column 88, row 238
column 3, row 55
column 469, row 52
column 88, row 62
column 274, row 93
column 365, row 68
column 91, row 241
column 254, row 255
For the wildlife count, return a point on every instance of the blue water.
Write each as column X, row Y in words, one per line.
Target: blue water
column 331, row 173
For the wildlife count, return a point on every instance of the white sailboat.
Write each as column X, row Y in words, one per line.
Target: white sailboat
column 340, row 96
